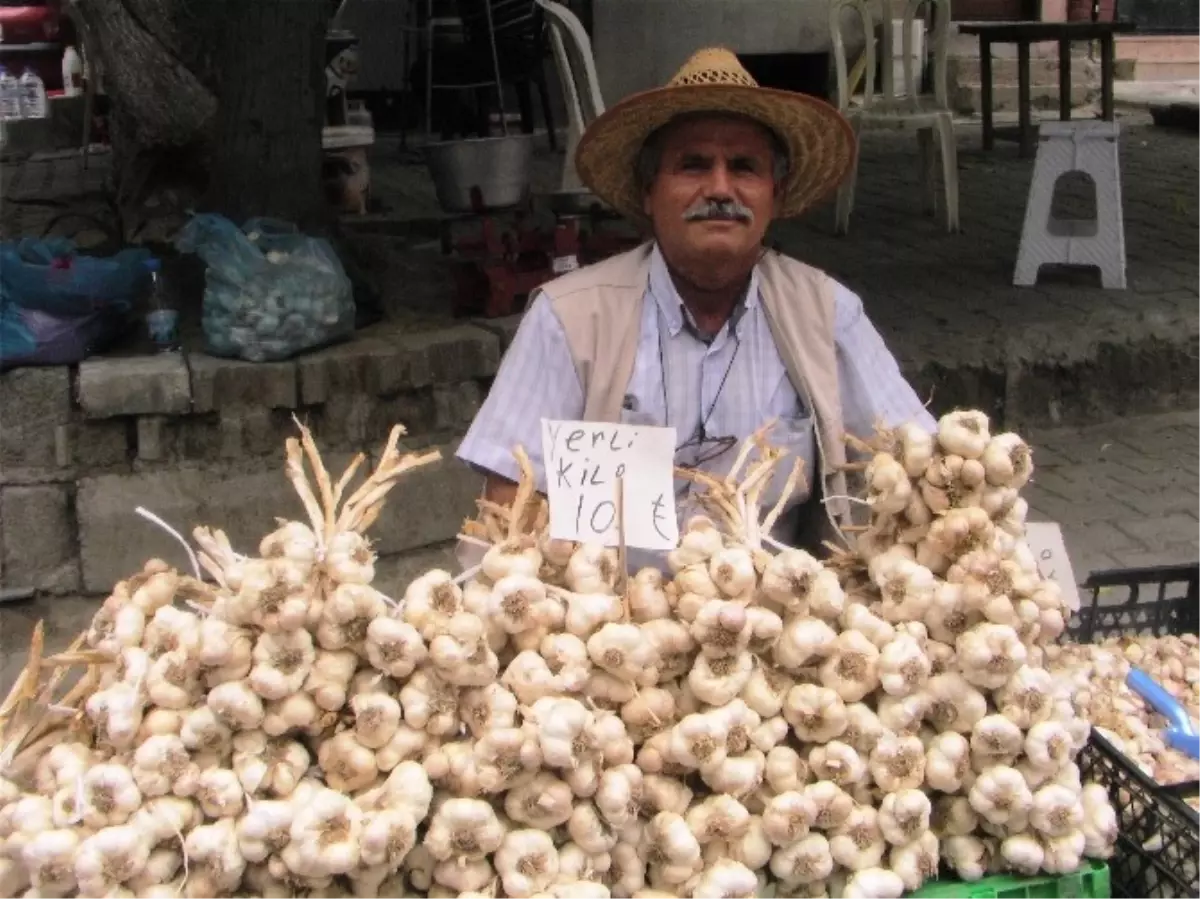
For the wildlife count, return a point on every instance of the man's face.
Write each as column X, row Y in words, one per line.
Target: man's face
column 707, row 161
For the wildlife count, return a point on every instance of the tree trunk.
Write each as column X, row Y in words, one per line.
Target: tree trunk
column 215, row 104
column 269, row 72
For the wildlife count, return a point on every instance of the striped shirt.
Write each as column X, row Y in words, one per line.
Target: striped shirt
column 711, row 391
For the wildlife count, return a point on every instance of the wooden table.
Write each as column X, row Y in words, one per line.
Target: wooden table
column 1023, row 34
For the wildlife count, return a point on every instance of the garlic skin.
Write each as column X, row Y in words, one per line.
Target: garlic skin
column 527, row 862
column 858, row 844
column 852, row 667
column 807, row 860
column 898, row 763
column 917, row 861
column 324, row 836
column 964, row 433
column 969, row 856
column 1000, row 794
column 727, row 878
column 904, row 816
column 108, row 858
column 1023, row 853
column 990, row 654
column 903, row 666
column 817, row 714
column 947, row 762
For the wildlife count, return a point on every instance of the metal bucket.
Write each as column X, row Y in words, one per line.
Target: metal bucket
column 497, row 169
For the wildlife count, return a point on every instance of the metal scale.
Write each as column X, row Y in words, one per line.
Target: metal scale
column 501, row 256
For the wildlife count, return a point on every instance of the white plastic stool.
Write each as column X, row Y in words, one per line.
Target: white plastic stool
column 1089, row 147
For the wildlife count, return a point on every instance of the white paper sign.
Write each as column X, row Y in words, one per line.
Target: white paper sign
column 1045, row 541
column 583, row 462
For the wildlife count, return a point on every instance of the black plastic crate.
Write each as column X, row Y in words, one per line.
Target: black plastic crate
column 1151, row 601
column 1158, row 847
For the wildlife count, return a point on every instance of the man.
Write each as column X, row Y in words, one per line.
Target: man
column 703, row 330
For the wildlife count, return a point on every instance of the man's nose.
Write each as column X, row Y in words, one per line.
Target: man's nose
column 720, row 185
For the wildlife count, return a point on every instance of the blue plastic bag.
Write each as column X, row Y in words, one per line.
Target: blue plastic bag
column 270, row 291
column 57, row 307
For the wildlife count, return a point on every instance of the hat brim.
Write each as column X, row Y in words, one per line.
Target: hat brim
column 819, row 140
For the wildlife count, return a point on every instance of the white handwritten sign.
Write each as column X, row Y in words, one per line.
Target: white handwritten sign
column 583, row 462
column 1045, row 541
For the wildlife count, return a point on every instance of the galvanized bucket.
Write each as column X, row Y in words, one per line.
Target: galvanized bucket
column 480, row 174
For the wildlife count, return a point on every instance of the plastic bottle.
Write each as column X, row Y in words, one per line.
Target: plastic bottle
column 10, row 97
column 72, row 73
column 161, row 320
column 33, row 96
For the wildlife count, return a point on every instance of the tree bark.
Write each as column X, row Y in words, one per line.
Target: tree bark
column 269, row 74
column 215, row 104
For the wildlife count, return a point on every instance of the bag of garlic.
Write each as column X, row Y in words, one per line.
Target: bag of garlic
column 270, row 291
column 762, row 723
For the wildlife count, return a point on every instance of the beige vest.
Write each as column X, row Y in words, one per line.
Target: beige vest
column 600, row 307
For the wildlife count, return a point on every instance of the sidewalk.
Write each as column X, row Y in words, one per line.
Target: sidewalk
column 1124, row 492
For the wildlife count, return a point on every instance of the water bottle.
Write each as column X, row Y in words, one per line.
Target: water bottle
column 10, row 97
column 161, row 320
column 72, row 73
column 33, row 96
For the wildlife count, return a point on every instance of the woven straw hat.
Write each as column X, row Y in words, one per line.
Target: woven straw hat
column 819, row 140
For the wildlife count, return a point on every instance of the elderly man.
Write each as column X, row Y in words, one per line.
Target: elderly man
column 703, row 329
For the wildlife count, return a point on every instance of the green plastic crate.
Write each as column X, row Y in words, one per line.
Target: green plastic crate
column 1089, row 882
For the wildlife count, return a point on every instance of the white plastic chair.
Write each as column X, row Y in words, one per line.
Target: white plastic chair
column 577, row 75
column 929, row 116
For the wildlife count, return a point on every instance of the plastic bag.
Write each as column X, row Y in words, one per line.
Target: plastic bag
column 270, row 291
column 58, row 307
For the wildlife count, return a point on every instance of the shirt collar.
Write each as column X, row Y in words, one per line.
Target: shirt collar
column 670, row 305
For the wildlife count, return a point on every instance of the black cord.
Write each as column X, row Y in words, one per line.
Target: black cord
column 700, row 436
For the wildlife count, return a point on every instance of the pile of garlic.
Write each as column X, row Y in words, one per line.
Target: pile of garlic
column 760, row 723
column 912, row 681
column 1098, row 672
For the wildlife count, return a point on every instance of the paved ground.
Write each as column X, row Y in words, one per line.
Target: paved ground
column 1125, row 493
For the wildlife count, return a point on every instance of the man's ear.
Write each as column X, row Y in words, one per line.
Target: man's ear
column 646, row 203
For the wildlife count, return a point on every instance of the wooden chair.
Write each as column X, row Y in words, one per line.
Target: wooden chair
column 928, row 115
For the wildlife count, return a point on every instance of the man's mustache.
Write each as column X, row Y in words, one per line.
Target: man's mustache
column 719, row 210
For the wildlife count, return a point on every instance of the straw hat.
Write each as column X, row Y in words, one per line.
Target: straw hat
column 819, row 140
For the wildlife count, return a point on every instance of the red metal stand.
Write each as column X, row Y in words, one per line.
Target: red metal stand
column 497, row 265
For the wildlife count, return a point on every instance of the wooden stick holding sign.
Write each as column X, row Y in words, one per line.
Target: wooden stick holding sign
column 622, row 551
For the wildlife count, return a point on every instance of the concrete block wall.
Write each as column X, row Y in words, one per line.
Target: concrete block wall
column 200, row 440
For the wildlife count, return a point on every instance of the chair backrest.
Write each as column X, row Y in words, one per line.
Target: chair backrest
column 576, row 66
column 937, row 37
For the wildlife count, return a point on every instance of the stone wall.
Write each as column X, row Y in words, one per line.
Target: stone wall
column 200, row 440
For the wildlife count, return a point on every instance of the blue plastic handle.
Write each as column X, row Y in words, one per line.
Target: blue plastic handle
column 1188, row 744
column 1180, row 733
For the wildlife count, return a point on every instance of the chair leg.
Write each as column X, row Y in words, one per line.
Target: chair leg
column 949, row 148
column 547, row 110
column 928, row 170
column 845, row 196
